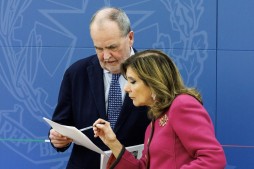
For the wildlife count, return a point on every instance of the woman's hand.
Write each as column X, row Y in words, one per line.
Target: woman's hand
column 103, row 130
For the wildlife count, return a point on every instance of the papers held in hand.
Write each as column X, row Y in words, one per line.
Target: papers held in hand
column 78, row 137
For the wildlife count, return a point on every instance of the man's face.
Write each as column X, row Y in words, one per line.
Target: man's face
column 112, row 48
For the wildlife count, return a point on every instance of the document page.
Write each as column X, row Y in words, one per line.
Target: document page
column 78, row 137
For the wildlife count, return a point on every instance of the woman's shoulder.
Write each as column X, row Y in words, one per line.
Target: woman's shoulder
column 182, row 98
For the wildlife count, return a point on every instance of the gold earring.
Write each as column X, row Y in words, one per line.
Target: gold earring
column 153, row 96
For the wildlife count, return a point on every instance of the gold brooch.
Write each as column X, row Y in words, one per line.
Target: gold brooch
column 163, row 120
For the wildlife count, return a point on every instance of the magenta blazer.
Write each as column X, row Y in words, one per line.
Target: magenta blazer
column 183, row 138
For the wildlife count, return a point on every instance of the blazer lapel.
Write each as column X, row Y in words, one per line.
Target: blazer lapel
column 95, row 75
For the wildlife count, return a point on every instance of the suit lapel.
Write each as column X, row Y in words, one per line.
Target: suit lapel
column 95, row 75
column 126, row 109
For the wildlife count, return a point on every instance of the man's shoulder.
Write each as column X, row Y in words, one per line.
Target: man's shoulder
column 84, row 63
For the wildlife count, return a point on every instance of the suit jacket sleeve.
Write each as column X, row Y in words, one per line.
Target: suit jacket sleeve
column 62, row 112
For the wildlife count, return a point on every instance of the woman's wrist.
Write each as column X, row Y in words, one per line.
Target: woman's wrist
column 116, row 147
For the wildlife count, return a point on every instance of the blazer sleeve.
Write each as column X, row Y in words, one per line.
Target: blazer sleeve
column 194, row 128
column 62, row 113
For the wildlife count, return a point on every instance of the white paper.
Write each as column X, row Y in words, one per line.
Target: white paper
column 135, row 150
column 78, row 137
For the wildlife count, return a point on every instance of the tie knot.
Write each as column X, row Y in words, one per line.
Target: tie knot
column 115, row 77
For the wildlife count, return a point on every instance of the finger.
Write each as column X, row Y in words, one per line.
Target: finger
column 55, row 133
column 59, row 138
column 95, row 135
column 99, row 126
column 61, row 141
column 98, row 121
column 101, row 121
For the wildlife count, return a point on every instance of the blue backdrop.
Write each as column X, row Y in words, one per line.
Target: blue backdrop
column 210, row 40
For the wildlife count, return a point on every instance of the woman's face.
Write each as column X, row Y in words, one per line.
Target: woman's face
column 140, row 93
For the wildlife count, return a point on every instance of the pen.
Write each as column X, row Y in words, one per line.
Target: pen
column 87, row 128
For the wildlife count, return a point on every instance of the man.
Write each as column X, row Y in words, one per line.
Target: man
column 84, row 92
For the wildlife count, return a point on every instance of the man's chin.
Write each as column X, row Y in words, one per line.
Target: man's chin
column 113, row 70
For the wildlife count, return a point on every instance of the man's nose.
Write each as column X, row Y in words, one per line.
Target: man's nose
column 106, row 54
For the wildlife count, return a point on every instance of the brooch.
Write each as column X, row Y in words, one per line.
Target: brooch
column 163, row 120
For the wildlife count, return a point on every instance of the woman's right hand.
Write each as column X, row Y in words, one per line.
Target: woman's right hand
column 103, row 130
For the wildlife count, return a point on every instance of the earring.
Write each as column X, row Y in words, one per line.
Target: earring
column 153, row 96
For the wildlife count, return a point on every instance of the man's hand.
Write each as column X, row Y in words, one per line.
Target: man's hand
column 58, row 140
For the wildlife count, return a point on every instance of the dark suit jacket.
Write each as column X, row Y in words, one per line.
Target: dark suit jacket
column 82, row 101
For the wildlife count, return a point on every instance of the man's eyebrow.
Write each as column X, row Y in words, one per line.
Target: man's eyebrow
column 111, row 46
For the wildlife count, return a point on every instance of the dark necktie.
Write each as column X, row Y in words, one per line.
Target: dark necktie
column 114, row 100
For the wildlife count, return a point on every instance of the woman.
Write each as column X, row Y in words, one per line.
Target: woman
column 181, row 134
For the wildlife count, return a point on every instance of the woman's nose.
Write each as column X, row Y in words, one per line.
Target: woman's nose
column 126, row 88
